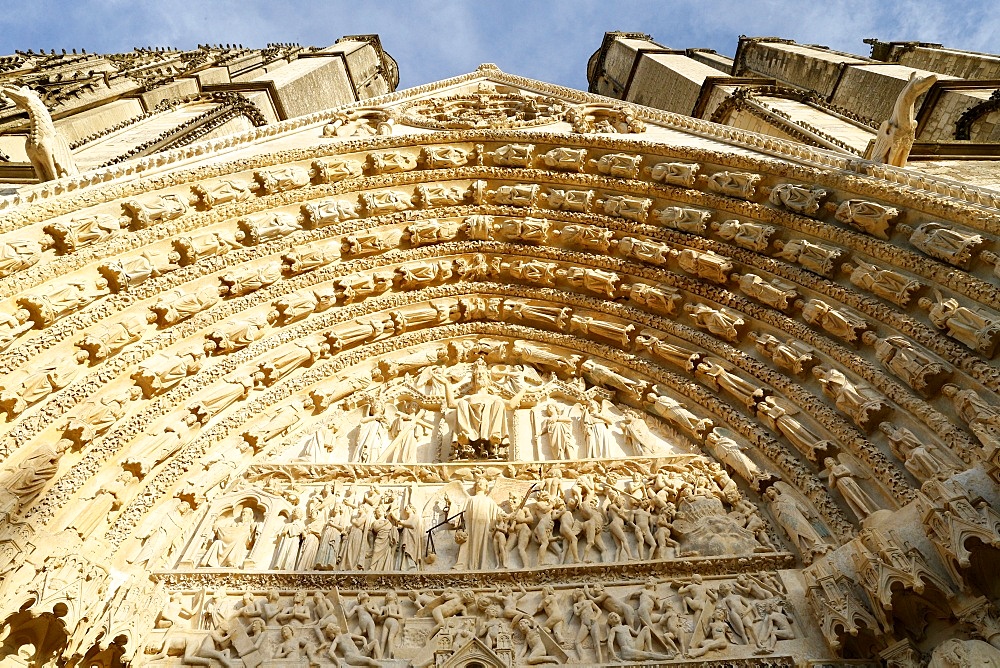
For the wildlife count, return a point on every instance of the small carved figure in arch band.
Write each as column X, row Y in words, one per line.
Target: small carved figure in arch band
column 674, row 173
column 750, row 235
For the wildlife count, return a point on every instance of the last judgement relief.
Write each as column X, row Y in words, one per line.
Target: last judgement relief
column 494, row 373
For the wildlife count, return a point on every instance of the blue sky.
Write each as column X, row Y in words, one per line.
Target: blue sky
column 432, row 40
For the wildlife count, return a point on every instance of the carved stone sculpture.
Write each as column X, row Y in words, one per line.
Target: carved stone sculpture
column 973, row 327
column 733, row 184
column 775, row 293
column 674, row 173
column 80, row 232
column 915, row 368
column 840, row 322
column 128, row 272
column 222, row 191
column 621, row 165
column 192, row 249
column 722, row 322
column 329, row 212
column 885, row 283
column 262, row 228
column 793, row 356
column 705, row 264
column 29, row 385
column 46, row 148
column 18, row 254
column 681, row 218
column 750, row 235
column 567, row 159
column 945, row 243
column 62, row 299
column 870, row 217
column 862, row 403
column 896, row 134
column 793, row 517
column 281, row 179
column 623, row 206
column 817, row 258
column 183, row 303
column 800, row 199
column 159, row 209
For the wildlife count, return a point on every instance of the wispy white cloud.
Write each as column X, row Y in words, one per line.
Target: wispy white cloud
column 434, row 39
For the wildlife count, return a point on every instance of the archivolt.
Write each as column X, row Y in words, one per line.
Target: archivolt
column 45, row 420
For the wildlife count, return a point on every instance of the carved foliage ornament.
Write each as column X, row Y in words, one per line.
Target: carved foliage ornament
column 485, row 108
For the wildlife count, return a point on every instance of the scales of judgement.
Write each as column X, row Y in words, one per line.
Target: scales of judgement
column 496, row 373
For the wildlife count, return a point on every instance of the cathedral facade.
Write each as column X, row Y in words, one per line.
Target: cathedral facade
column 696, row 367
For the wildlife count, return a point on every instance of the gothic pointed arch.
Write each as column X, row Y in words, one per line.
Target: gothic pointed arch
column 496, row 371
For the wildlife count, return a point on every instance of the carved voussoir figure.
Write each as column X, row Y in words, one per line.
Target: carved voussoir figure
column 128, row 272
column 25, row 387
column 219, row 397
column 521, row 194
column 77, row 233
column 734, row 184
column 331, row 170
column 296, row 306
column 183, row 303
column 800, row 199
column 874, row 219
column 705, row 264
column 661, row 299
column 329, row 212
column 793, row 356
column 237, row 333
column 164, row 370
column 776, row 293
column 512, row 155
column 155, row 209
column 909, row 364
column 840, row 322
column 885, row 283
column 261, row 228
column 568, row 200
column 644, row 250
column 192, row 249
column 108, row 339
column 776, row 413
column 430, row 231
column 623, row 206
column 308, row 257
column 214, row 193
column 621, row 165
column 244, row 280
column 436, row 194
column 976, row 328
column 817, row 258
column 392, row 162
column 62, row 299
column 863, row 404
column 749, row 235
column 683, row 174
column 18, row 254
column 722, row 322
column 385, row 201
column 794, row 518
column 566, row 159
column 944, row 243
column 281, row 179
column 681, row 218
column 444, row 157
column 677, row 414
column 96, row 416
